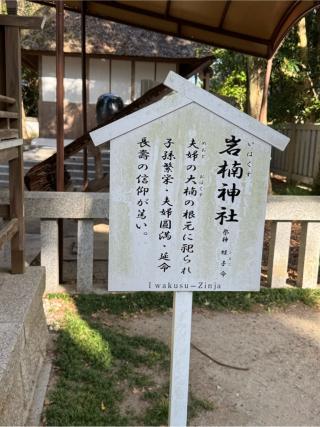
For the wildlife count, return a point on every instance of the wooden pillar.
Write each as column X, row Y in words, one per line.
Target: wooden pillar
column 16, row 184
column 13, row 73
column 2, row 65
column 263, row 116
column 16, row 190
column 60, row 94
column 84, row 91
column 60, row 119
column 12, row 7
column 206, row 81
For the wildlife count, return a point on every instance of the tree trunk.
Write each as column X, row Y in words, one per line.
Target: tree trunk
column 308, row 86
column 255, row 85
column 257, row 92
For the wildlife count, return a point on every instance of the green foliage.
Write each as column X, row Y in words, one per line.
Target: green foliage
column 294, row 92
column 88, row 341
column 136, row 302
column 30, row 91
column 229, row 76
column 98, row 367
column 234, row 87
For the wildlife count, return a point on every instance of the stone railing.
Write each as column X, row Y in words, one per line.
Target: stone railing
column 83, row 207
column 86, row 207
column 282, row 210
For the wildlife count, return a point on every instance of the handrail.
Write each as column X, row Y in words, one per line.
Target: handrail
column 7, row 99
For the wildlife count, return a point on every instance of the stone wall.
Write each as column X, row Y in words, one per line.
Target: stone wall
column 23, row 338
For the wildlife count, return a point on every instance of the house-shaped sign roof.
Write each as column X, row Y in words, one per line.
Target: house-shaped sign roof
column 186, row 93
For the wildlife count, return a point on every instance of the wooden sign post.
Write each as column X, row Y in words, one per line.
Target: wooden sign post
column 180, row 357
column 188, row 189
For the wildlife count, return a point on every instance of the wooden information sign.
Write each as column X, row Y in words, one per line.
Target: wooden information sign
column 188, row 190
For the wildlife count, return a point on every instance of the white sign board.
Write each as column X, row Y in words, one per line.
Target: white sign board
column 188, row 189
column 187, row 205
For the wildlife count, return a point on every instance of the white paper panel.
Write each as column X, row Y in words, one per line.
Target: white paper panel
column 72, row 80
column 143, row 71
column 121, row 79
column 163, row 69
column 99, row 78
column 48, row 79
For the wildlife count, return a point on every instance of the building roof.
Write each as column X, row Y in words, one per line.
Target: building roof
column 186, row 93
column 108, row 38
column 251, row 27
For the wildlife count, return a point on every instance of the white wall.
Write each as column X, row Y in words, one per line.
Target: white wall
column 72, row 80
column 104, row 76
column 121, row 79
column 163, row 69
column 143, row 71
column 99, row 78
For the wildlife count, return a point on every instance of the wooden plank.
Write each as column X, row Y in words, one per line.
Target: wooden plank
column 297, row 166
column 290, row 151
column 12, row 7
column 306, row 149
column 16, row 189
column 296, row 153
column 30, row 22
column 308, row 263
column 10, row 143
column 13, row 73
column 8, row 115
column 8, row 154
column 8, row 231
column 2, row 64
column 180, row 358
column 279, row 254
column 275, row 164
column 8, row 133
column 7, row 99
column 5, row 211
column 312, row 152
column 316, row 160
column 307, row 126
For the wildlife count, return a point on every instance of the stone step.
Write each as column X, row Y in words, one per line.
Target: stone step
column 73, row 164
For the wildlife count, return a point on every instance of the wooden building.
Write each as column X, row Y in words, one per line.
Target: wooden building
column 123, row 60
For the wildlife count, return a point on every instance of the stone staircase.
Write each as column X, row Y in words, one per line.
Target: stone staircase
column 74, row 165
